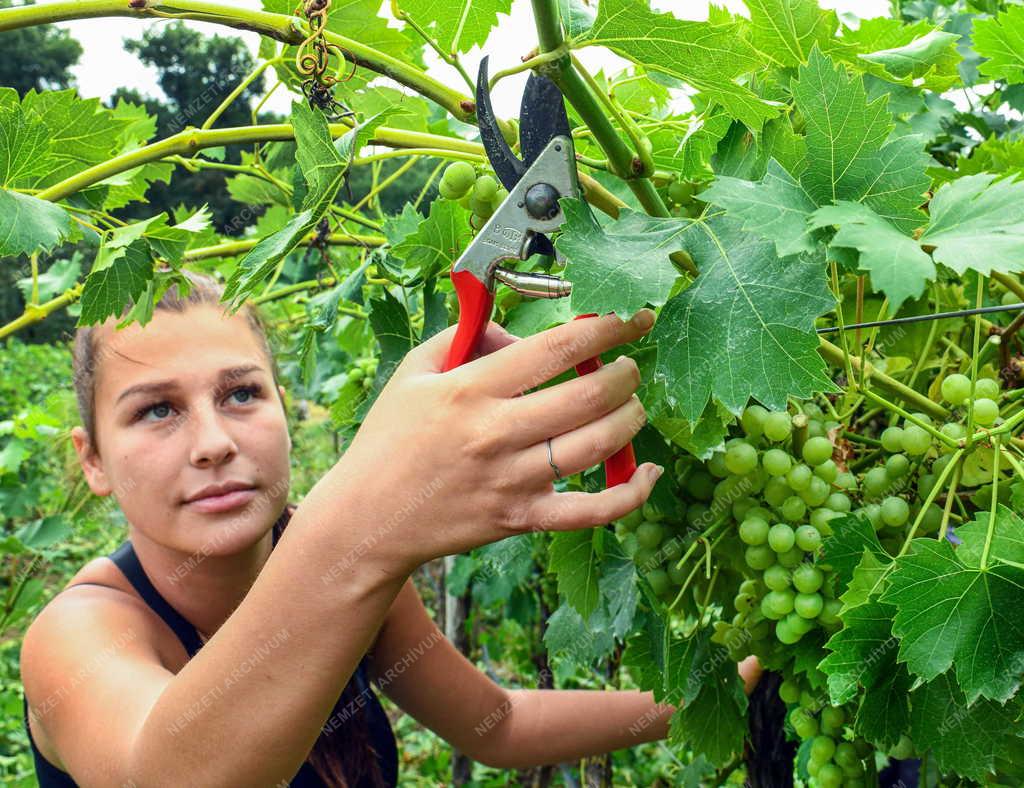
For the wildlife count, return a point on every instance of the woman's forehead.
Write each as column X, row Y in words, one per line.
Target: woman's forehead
column 199, row 341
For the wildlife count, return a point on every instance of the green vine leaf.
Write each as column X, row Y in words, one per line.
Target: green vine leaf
column 119, row 275
column 859, row 650
column 28, row 224
column 964, row 737
column 1000, row 38
column 576, row 564
column 24, row 145
column 621, row 266
column 785, row 31
column 744, row 328
column 897, row 264
column 977, row 224
column 458, row 25
column 844, row 549
column 884, row 711
column 438, row 241
column 953, row 614
column 717, row 53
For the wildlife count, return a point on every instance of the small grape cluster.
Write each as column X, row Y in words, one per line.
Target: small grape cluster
column 363, row 371
column 833, row 761
column 480, row 194
column 655, row 545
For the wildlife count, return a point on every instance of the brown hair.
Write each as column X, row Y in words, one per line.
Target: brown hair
column 342, row 755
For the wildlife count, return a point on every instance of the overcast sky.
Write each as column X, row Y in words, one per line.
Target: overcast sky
column 105, row 65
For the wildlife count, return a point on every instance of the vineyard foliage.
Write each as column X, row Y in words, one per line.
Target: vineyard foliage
column 845, row 505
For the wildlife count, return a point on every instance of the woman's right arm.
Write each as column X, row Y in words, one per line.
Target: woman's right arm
column 442, row 463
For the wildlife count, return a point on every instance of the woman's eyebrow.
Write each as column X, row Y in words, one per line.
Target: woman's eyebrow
column 168, row 385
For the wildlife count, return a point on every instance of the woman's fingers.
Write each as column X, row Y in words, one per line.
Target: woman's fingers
column 569, row 511
column 583, row 448
column 536, row 359
column 554, row 410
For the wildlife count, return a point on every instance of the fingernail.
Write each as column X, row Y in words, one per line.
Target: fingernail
column 656, row 472
column 644, row 318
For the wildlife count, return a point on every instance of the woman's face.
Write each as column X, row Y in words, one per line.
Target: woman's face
column 185, row 402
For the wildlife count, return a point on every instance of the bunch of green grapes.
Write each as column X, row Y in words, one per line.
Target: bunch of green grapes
column 835, row 758
column 480, row 194
column 656, row 544
column 363, row 371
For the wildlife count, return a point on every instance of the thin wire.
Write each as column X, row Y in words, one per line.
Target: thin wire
column 921, row 318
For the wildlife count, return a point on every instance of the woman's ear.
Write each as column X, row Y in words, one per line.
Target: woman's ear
column 89, row 459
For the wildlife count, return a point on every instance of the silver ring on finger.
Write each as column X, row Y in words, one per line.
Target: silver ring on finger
column 551, row 462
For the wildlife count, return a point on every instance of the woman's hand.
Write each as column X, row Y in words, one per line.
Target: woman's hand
column 449, row 461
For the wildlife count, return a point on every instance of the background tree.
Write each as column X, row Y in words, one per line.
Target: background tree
column 37, row 57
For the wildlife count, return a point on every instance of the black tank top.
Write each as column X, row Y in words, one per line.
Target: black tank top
column 381, row 736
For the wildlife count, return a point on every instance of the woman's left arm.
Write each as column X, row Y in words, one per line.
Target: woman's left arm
column 425, row 675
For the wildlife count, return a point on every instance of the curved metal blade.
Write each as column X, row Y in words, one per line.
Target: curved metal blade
column 507, row 166
column 542, row 117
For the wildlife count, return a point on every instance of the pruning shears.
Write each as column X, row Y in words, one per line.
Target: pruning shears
column 518, row 228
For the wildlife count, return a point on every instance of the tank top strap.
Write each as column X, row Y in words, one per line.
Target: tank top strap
column 128, row 562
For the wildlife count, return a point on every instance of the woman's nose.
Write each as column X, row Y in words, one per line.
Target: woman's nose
column 211, row 440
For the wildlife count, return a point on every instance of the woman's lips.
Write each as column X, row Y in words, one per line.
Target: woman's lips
column 225, row 502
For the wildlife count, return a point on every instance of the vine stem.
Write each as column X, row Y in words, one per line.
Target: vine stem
column 251, row 77
column 974, row 360
column 948, row 508
column 932, row 495
column 378, row 188
column 530, row 63
column 621, row 159
column 281, row 27
column 835, row 355
column 911, row 418
column 990, row 532
column 448, row 57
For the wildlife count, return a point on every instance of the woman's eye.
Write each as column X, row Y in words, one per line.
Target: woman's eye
column 248, row 392
column 141, row 412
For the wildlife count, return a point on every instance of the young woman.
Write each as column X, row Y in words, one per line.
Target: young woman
column 231, row 640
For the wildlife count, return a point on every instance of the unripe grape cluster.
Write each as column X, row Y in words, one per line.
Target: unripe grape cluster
column 834, row 761
column 480, row 194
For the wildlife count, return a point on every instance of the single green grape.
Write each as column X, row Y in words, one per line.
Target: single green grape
column 808, row 605
column 759, row 557
column 716, row 465
column 781, row 537
column 892, row 439
column 846, row 481
column 650, row 534
column 658, row 579
column 485, row 188
column 808, row 538
column 786, row 634
column 741, row 507
column 807, row 578
column 460, row 175
column 791, row 558
column 777, row 426
column 895, row 511
column 819, row 517
column 450, row 192
column 777, row 577
column 741, row 458
column 776, row 462
column 744, row 603
column 830, row 776
column 798, row 623
column 833, row 718
column 816, row 451
column 680, row 192
column 876, row 482
column 845, row 756
column 916, row 440
column 776, row 491
column 793, row 508
column 954, row 430
column 839, row 502
column 754, row 531
column 700, row 485
column 827, row 470
column 805, row 725
column 897, row 466
column 874, row 514
column 789, row 691
column 817, row 492
column 799, row 477
column 987, row 388
column 956, row 388
column 816, row 429
column 822, row 748
column 752, row 420
column 777, row 604
column 651, row 512
column 829, row 615
column 986, row 411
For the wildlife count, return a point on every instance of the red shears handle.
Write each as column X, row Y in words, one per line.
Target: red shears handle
column 475, row 305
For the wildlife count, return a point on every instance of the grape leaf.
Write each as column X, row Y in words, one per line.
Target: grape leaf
column 1007, row 538
column 897, row 264
column 713, row 722
column 785, row 30
column 862, row 651
column 884, row 711
column 776, row 207
column 120, row 274
column 929, row 58
column 848, row 157
column 977, row 223
column 458, row 25
column 951, row 614
column 574, row 561
column 28, row 224
column 438, row 241
column 24, row 145
column 621, row 266
column 964, row 737
column 716, row 53
column 851, row 535
column 744, row 328
column 868, row 580
column 1001, row 39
